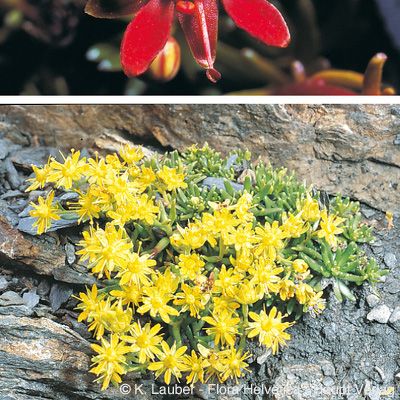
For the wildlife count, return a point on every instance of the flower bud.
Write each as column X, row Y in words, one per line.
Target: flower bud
column 167, row 63
column 300, row 266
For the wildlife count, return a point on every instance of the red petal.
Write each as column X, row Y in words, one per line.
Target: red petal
column 261, row 19
column 146, row 36
column 201, row 31
column 113, row 8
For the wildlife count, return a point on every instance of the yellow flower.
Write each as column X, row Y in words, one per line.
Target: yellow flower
column 136, row 269
column 233, row 363
column 269, row 328
column 155, row 302
column 329, row 228
column 190, row 265
column 129, row 294
column 265, row 273
column 145, row 178
column 224, row 327
column 316, row 304
column 171, row 362
column 89, row 302
column 304, row 293
column 309, row 210
column 131, row 154
column 222, row 221
column 122, row 213
column 242, row 237
column 246, row 292
column 227, row 278
column 71, row 170
column 87, row 206
column 115, row 162
column 192, row 299
column 110, row 361
column 196, row 365
column 192, row 237
column 97, row 170
column 44, row 212
column 243, row 260
column 242, row 208
column 171, row 178
column 286, row 289
column 99, row 319
column 292, row 225
column 106, row 249
column 224, row 304
column 215, row 368
column 145, row 209
column 269, row 240
column 120, row 321
column 300, row 266
column 166, row 282
column 145, row 341
column 122, row 189
column 40, row 179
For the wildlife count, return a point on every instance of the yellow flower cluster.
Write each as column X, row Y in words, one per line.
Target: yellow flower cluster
column 181, row 297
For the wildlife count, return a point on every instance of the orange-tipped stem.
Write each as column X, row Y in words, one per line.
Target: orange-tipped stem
column 373, row 75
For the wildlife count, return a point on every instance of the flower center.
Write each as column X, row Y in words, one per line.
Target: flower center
column 185, row 7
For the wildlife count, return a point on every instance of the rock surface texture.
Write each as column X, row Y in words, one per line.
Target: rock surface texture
column 352, row 351
column 354, row 149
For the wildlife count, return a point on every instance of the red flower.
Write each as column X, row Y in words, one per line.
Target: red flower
column 151, row 26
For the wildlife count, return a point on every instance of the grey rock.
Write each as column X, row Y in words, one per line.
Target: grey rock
column 328, row 369
column 59, row 294
column 25, row 212
column 37, row 354
column 368, row 212
column 219, row 183
column 68, row 196
column 374, row 393
column 328, row 382
column 74, row 274
column 11, row 194
column 31, row 299
column 37, row 156
column 43, row 288
column 367, row 387
column 70, row 252
column 4, row 148
column 395, row 316
column 263, row 357
column 10, row 298
column 379, row 314
column 372, row 300
column 396, row 140
column 390, row 260
column 12, row 175
column 26, row 225
column 3, row 283
column 392, row 284
column 37, row 254
column 18, row 311
column 7, row 213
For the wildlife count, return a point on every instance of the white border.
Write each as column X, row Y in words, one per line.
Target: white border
column 46, row 100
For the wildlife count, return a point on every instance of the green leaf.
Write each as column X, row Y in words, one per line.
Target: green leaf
column 345, row 291
column 337, row 291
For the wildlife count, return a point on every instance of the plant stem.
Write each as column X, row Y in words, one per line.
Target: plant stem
column 176, row 333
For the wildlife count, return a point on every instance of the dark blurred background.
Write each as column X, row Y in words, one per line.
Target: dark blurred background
column 52, row 47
